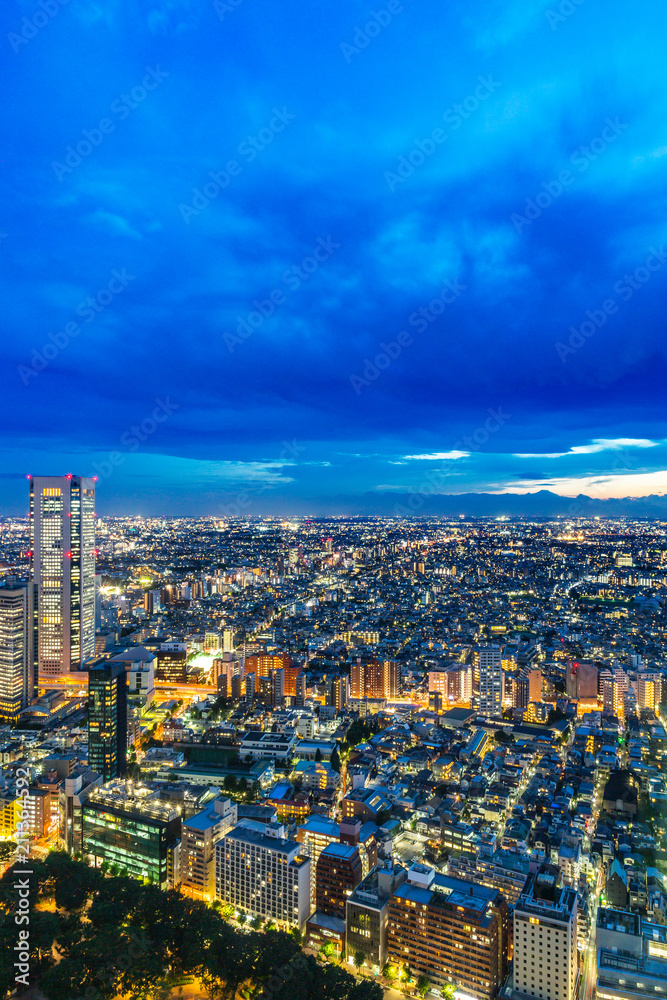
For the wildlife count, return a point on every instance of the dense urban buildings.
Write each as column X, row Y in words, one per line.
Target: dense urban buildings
column 435, row 748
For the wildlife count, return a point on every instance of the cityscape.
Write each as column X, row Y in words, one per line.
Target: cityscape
column 363, row 756
column 333, row 500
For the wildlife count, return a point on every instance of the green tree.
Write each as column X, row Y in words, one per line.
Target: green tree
column 359, row 958
column 6, row 851
column 422, row 984
column 335, row 760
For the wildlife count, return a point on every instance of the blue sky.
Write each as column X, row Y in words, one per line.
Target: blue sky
column 292, row 251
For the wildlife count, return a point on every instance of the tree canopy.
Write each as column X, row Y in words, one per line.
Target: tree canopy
column 98, row 936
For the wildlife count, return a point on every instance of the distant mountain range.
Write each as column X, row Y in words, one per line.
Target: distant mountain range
column 541, row 504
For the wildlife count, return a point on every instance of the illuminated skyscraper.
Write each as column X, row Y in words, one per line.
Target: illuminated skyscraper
column 17, row 680
column 107, row 719
column 62, row 560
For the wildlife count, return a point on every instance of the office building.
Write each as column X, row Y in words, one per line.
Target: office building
column 129, row 827
column 199, row 835
column 107, row 719
column 313, row 836
column 263, row 874
column 62, row 564
column 451, row 931
column 18, row 682
column 545, row 938
column 172, row 661
column 339, row 872
column 490, row 680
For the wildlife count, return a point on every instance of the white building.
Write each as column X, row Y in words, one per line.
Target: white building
column 545, row 938
column 199, row 835
column 264, row 875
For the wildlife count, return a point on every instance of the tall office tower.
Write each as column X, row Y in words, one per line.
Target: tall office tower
column 545, row 938
column 228, row 641
column 62, row 564
column 277, row 688
column 107, row 720
column 17, row 678
column 490, row 680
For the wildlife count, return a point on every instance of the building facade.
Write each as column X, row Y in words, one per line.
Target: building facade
column 107, row 720
column 62, row 565
column 263, row 875
column 545, row 938
column 18, row 681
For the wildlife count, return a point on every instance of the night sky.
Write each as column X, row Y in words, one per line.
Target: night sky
column 316, row 248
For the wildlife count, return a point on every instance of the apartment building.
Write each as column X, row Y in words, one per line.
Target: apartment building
column 199, row 835
column 263, row 874
column 451, row 931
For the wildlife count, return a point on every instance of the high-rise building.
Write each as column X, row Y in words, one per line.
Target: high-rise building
column 339, row 692
column 172, row 663
column 545, row 938
column 107, row 719
column 62, row 562
column 490, row 680
column 581, row 680
column 18, row 683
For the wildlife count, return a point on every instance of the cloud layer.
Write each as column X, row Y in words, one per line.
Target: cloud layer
column 345, row 248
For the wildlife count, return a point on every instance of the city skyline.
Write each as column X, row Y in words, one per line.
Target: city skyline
column 311, row 258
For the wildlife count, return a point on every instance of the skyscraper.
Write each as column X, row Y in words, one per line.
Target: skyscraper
column 17, row 680
column 107, row 719
column 490, row 680
column 62, row 560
